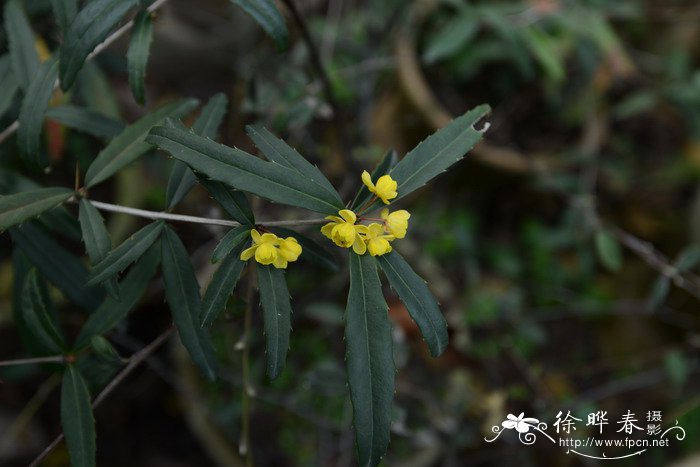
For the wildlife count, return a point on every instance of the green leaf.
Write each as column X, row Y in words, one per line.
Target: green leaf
column 244, row 171
column 231, row 240
column 129, row 144
column 76, row 419
column 35, row 314
column 64, row 11
column 182, row 179
column 277, row 314
column 8, row 84
column 451, row 38
column 420, row 303
column 364, row 195
column 91, row 26
column 25, row 59
column 182, row 293
column 266, row 14
column 608, row 249
column 659, row 292
column 222, row 284
column 688, row 258
column 369, row 359
column 96, row 238
column 104, row 350
column 57, row 265
column 278, row 151
column 129, row 251
column 438, row 152
column 137, row 56
column 310, row 250
column 31, row 114
column 114, row 309
column 86, row 120
column 17, row 208
column 233, row 201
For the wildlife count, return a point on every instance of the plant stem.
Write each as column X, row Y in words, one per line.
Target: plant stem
column 7, row 132
column 135, row 360
column 31, row 361
column 193, row 219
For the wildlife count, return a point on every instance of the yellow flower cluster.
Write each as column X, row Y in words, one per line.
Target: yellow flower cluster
column 374, row 238
column 268, row 248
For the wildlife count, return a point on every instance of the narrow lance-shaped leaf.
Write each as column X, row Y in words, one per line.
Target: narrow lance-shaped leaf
column 86, row 120
column 182, row 293
column 182, row 179
column 129, row 144
column 31, row 114
column 386, row 164
column 64, row 11
column 8, row 84
column 222, row 284
column 438, row 152
column 113, row 310
column 137, row 56
column 233, row 201
column 244, row 171
column 311, row 250
column 126, row 253
column 420, row 303
column 278, row 151
column 90, row 27
column 266, row 14
column 231, row 240
column 57, row 265
column 104, row 350
column 35, row 313
column 96, row 238
column 25, row 59
column 17, row 208
column 369, row 359
column 608, row 249
column 77, row 420
column 277, row 315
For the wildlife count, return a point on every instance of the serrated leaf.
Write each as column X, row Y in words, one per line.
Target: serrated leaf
column 8, row 84
column 77, row 420
column 104, row 350
column 243, row 171
column 31, row 114
column 266, row 14
column 57, row 265
column 222, row 283
column 91, row 26
column 386, row 164
column 369, row 359
column 86, row 120
column 96, row 239
column 310, row 250
column 278, row 151
column 420, row 303
column 182, row 179
column 277, row 314
column 137, row 56
column 182, row 293
column 231, row 240
column 129, row 251
column 64, row 11
column 17, row 208
column 25, row 59
column 130, row 144
column 35, row 314
column 233, row 201
column 131, row 288
column 608, row 250
column 438, row 152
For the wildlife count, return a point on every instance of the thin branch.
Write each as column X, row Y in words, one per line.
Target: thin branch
column 32, row 361
column 134, row 362
column 7, row 132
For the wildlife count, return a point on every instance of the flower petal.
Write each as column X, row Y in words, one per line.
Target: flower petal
column 248, row 253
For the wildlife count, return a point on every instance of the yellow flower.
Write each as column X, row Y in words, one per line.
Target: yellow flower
column 344, row 232
column 385, row 188
column 377, row 241
column 268, row 248
column 396, row 223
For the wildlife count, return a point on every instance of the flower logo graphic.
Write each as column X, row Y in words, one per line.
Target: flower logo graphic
column 520, row 423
